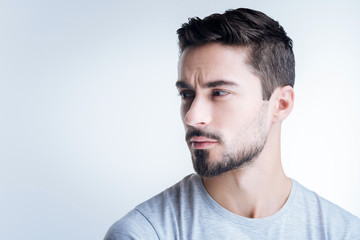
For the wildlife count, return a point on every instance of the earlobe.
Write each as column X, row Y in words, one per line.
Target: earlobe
column 284, row 102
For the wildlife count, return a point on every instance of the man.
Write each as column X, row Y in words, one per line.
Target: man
column 235, row 78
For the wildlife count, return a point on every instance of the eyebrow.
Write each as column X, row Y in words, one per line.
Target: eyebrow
column 217, row 83
column 182, row 84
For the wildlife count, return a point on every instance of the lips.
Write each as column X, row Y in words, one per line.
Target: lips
column 199, row 142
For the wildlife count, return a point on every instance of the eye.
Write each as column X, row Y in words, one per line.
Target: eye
column 219, row 93
column 187, row 94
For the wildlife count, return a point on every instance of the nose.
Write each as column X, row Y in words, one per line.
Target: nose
column 199, row 113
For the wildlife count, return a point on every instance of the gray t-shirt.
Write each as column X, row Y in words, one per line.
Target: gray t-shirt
column 187, row 211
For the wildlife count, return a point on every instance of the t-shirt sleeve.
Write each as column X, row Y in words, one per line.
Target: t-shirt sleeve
column 133, row 226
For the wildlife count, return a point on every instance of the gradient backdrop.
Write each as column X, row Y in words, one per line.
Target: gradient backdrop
column 89, row 115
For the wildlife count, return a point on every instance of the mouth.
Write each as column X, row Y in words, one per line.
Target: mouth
column 200, row 142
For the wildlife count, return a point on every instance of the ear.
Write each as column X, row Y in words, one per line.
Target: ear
column 283, row 99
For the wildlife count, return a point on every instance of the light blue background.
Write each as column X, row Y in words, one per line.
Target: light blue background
column 89, row 115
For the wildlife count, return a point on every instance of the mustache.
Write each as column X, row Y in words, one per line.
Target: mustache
column 193, row 132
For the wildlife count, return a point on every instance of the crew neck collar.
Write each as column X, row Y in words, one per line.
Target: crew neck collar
column 244, row 220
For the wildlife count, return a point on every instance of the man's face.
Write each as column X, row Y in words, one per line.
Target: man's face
column 225, row 118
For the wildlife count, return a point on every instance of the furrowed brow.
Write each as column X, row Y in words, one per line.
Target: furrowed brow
column 182, row 84
column 220, row 83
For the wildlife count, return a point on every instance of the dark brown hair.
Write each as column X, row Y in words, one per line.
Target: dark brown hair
column 269, row 49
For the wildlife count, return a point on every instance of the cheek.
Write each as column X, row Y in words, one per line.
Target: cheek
column 234, row 120
column 227, row 116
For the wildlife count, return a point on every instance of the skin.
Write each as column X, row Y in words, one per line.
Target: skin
column 221, row 96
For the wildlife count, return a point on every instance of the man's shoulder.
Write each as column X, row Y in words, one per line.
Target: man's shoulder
column 156, row 215
column 132, row 226
column 313, row 201
column 170, row 199
column 332, row 217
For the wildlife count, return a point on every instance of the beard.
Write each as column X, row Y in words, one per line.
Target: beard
column 228, row 162
column 238, row 154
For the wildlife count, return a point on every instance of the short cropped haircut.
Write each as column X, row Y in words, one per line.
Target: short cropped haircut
column 269, row 49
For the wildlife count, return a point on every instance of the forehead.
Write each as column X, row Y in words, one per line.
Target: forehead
column 214, row 62
column 214, row 50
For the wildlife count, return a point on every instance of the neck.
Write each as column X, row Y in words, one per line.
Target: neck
column 256, row 191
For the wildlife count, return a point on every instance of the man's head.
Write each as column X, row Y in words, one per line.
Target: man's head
column 227, row 69
column 269, row 49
